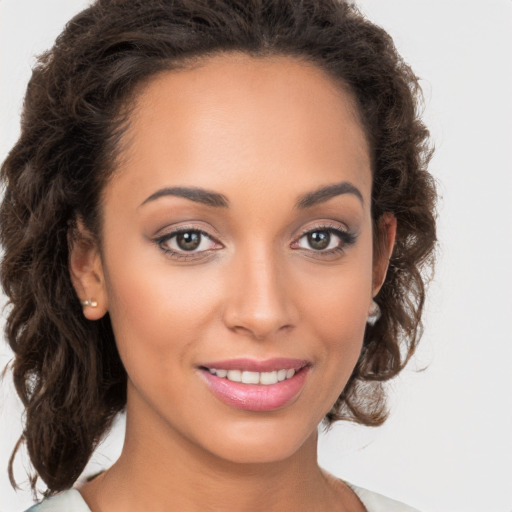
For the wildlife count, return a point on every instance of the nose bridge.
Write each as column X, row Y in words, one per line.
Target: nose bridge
column 259, row 300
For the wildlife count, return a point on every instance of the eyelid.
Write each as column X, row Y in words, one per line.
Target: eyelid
column 170, row 233
column 187, row 225
column 325, row 225
column 347, row 237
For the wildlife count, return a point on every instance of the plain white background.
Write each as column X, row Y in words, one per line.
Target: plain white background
column 448, row 444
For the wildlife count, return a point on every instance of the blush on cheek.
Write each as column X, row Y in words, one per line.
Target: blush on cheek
column 340, row 324
column 154, row 309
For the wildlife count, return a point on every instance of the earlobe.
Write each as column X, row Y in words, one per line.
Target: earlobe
column 86, row 271
column 384, row 244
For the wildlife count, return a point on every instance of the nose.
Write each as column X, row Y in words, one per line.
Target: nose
column 259, row 301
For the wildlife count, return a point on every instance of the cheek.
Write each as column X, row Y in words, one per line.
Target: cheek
column 161, row 312
column 157, row 312
column 339, row 321
column 336, row 314
column 337, row 300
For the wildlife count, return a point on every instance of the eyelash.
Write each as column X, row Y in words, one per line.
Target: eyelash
column 346, row 239
column 183, row 255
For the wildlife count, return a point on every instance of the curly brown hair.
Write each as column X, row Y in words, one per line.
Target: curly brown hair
column 67, row 370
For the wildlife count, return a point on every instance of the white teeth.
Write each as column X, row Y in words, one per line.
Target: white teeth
column 234, row 375
column 281, row 375
column 268, row 378
column 250, row 377
column 247, row 377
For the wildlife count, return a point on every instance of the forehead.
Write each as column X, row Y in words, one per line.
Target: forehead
column 266, row 122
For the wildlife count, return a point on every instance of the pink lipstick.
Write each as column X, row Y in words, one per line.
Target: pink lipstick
column 256, row 385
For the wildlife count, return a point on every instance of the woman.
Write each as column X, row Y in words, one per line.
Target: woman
column 216, row 218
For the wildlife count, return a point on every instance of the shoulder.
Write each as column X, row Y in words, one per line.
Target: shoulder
column 72, row 501
column 375, row 502
column 67, row 501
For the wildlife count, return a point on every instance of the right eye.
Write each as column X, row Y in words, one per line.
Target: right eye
column 185, row 243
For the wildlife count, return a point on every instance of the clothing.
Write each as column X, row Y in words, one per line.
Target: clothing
column 67, row 501
column 375, row 502
column 72, row 501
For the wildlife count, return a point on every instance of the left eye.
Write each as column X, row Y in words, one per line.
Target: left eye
column 320, row 240
column 187, row 241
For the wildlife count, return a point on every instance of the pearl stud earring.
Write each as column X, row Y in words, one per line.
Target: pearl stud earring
column 373, row 314
column 89, row 302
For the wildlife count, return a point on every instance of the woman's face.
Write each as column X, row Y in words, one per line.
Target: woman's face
column 237, row 244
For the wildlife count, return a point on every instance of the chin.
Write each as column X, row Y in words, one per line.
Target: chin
column 261, row 442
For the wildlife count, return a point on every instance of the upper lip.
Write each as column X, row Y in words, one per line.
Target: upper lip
column 254, row 365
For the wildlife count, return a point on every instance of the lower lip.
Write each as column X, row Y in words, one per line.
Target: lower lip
column 256, row 397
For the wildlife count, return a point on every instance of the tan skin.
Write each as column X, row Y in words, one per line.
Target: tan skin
column 263, row 133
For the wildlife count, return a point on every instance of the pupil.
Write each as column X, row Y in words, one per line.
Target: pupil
column 188, row 241
column 319, row 239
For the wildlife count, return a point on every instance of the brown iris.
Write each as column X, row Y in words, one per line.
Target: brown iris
column 189, row 240
column 319, row 239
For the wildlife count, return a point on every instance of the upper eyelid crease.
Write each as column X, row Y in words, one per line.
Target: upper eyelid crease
column 176, row 232
column 179, row 254
column 325, row 225
column 347, row 239
column 334, row 228
column 347, row 236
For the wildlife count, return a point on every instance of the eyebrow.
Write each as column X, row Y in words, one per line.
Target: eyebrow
column 328, row 192
column 209, row 198
column 198, row 195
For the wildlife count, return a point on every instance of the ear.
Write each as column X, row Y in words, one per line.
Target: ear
column 86, row 271
column 384, row 243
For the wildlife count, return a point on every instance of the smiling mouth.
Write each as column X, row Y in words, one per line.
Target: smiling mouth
column 256, row 385
column 249, row 377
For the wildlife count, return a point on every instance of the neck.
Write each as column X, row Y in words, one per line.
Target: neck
column 161, row 470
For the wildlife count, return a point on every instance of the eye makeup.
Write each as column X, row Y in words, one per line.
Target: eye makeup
column 322, row 240
column 183, row 243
